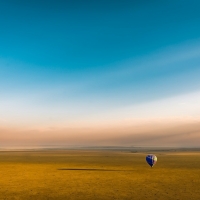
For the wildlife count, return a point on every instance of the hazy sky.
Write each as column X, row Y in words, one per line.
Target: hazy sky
column 86, row 72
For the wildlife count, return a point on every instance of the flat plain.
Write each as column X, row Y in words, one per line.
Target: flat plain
column 98, row 174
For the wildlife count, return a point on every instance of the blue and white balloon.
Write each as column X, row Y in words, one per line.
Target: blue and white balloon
column 151, row 160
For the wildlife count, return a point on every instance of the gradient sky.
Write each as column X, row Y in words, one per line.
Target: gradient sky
column 84, row 72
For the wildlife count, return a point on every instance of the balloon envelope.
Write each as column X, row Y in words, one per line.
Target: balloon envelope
column 151, row 160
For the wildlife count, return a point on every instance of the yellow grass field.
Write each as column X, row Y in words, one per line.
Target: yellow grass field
column 98, row 174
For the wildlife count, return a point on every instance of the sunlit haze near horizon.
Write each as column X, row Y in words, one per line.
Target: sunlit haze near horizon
column 100, row 73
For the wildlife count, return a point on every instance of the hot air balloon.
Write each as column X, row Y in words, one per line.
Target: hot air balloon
column 151, row 160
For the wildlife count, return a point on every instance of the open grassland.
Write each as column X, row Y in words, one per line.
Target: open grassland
column 75, row 174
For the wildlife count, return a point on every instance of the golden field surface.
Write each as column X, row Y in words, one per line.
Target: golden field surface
column 98, row 174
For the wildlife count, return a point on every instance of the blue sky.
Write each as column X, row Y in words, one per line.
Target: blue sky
column 64, row 61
